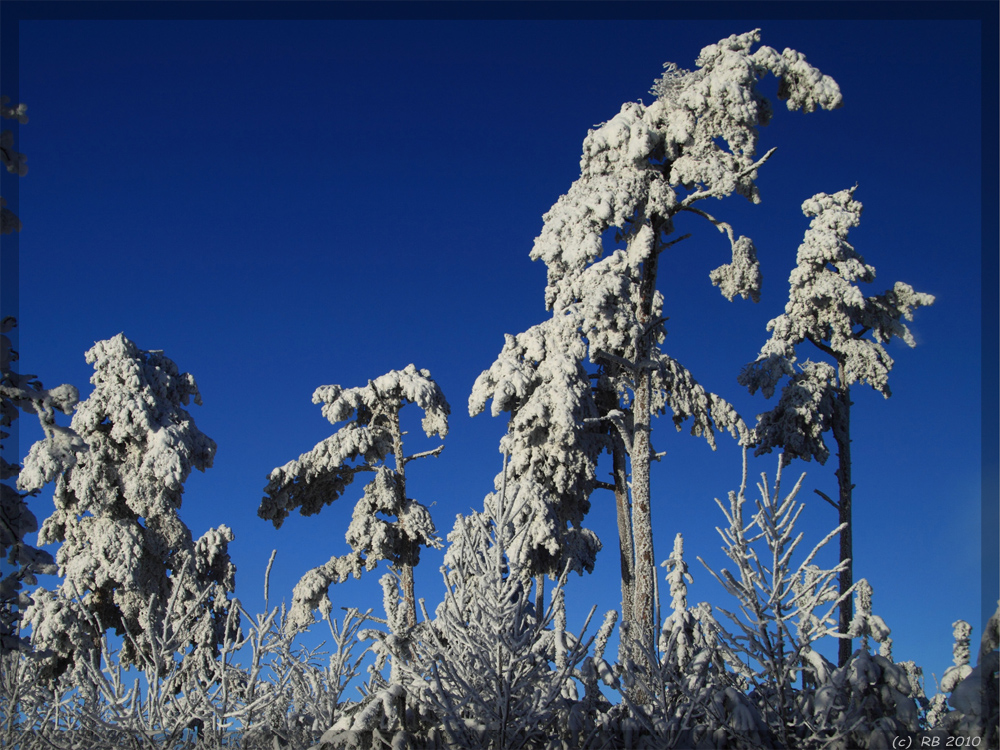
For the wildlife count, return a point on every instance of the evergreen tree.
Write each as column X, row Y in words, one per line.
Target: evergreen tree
column 540, row 381
column 491, row 670
column 125, row 553
column 783, row 609
column 639, row 171
column 319, row 477
column 827, row 309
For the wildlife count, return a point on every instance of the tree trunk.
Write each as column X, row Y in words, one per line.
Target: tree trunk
column 842, row 434
column 625, row 548
column 539, row 599
column 607, row 400
column 642, row 528
column 409, row 597
column 643, row 627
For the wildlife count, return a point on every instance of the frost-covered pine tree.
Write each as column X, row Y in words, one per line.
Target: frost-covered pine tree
column 827, row 309
column 638, row 172
column 317, row 478
column 540, row 381
column 22, row 562
column 125, row 553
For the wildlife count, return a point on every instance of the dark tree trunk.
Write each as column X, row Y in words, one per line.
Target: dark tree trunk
column 626, row 550
column 606, row 400
column 409, row 596
column 842, row 434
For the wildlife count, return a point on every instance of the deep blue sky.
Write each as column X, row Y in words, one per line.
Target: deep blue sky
column 283, row 205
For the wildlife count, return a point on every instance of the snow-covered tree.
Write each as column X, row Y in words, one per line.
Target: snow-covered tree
column 13, row 161
column 21, row 561
column 638, row 172
column 372, row 434
column 540, row 381
column 125, row 553
column 784, row 609
column 827, row 309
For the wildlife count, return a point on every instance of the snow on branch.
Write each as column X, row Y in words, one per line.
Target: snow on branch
column 802, row 415
column 386, row 393
column 322, row 475
column 677, row 390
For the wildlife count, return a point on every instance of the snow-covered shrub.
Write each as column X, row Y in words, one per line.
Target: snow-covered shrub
column 125, row 553
column 322, row 475
column 967, row 704
column 24, row 393
column 263, row 691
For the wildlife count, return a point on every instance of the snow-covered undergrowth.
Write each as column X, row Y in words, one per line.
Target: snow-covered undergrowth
column 488, row 669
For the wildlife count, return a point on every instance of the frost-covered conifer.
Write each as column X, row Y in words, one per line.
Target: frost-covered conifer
column 540, row 381
column 784, row 609
column 827, row 308
column 690, row 697
column 22, row 562
column 638, row 172
column 319, row 477
column 125, row 553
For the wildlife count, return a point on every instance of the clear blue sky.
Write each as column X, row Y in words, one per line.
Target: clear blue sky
column 283, row 205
